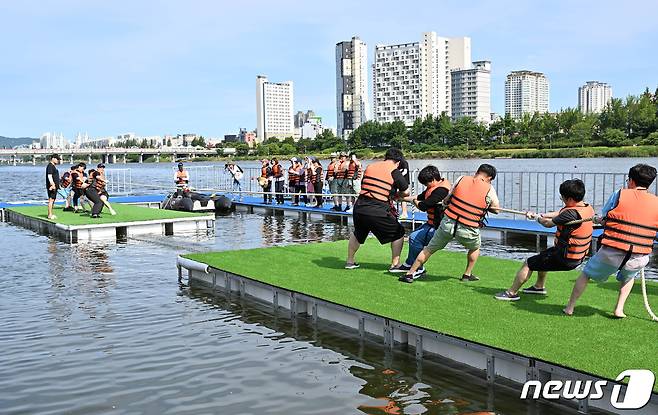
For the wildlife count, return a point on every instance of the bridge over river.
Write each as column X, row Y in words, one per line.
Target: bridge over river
column 106, row 155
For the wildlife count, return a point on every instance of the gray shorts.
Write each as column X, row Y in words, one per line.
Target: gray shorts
column 468, row 236
column 333, row 186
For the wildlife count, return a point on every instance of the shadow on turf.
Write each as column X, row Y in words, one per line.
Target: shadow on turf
column 339, row 263
column 537, row 304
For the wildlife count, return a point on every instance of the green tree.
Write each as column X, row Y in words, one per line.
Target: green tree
column 613, row 137
column 241, row 149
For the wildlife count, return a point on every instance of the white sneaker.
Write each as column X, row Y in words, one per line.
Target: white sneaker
column 52, row 217
column 113, row 212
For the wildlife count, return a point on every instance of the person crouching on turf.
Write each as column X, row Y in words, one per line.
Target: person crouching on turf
column 373, row 210
column 65, row 188
column 468, row 202
column 630, row 223
column 572, row 242
column 96, row 190
column 436, row 189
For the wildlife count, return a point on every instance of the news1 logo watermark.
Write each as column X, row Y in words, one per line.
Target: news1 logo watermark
column 638, row 390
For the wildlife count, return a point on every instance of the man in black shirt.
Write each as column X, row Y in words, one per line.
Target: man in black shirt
column 572, row 242
column 52, row 183
column 436, row 189
column 373, row 210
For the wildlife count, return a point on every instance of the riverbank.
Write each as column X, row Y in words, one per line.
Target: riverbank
column 517, row 153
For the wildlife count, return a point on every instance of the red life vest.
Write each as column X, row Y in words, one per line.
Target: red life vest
column 339, row 171
column 99, row 181
column 435, row 213
column 65, row 181
column 576, row 239
column 330, row 170
column 182, row 177
column 276, row 170
column 631, row 226
column 78, row 180
column 468, row 203
column 353, row 170
column 293, row 177
column 377, row 181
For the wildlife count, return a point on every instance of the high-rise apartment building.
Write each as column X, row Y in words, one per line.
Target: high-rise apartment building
column 593, row 97
column 471, row 92
column 352, row 106
column 274, row 114
column 412, row 80
column 526, row 92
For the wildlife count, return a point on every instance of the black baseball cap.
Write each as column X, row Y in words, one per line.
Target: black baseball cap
column 100, row 166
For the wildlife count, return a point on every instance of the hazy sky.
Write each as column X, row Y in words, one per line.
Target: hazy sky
column 159, row 67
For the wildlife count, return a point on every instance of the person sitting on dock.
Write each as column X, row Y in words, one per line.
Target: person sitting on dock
column 340, row 173
column 373, row 210
column 265, row 181
column 317, row 180
column 467, row 204
column 630, row 223
column 436, row 189
column 331, row 180
column 181, row 176
column 572, row 241
column 277, row 177
column 52, row 183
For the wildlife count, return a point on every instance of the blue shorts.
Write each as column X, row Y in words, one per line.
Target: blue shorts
column 600, row 271
column 64, row 192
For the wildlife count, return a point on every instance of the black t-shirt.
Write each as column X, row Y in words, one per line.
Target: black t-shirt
column 404, row 168
column 368, row 206
column 565, row 216
column 52, row 170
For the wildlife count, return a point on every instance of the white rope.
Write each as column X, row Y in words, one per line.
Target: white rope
column 646, row 298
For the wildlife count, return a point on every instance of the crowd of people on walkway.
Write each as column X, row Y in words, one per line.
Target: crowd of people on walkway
column 82, row 190
column 458, row 211
column 303, row 180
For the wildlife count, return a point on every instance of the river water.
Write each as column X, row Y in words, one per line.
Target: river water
column 105, row 328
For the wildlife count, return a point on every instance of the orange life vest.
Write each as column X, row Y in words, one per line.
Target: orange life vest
column 263, row 172
column 78, row 179
column 434, row 213
column 293, row 177
column 468, row 204
column 377, row 181
column 65, row 181
column 317, row 175
column 339, row 171
column 276, row 170
column 330, row 170
column 631, row 226
column 575, row 241
column 99, row 181
column 181, row 177
column 353, row 171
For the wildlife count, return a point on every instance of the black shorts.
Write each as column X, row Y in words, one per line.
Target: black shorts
column 52, row 194
column 385, row 228
column 550, row 260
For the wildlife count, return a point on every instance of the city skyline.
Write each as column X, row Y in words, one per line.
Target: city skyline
column 110, row 69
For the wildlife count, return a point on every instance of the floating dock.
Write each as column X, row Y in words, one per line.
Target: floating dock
column 439, row 315
column 130, row 221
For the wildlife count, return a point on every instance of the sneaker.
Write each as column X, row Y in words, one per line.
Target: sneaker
column 466, row 278
column 352, row 266
column 52, row 217
column 347, row 208
column 534, row 290
column 399, row 269
column 350, row 210
column 95, row 216
column 409, row 278
column 506, row 296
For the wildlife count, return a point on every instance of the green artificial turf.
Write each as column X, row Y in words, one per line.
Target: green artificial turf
column 125, row 213
column 535, row 326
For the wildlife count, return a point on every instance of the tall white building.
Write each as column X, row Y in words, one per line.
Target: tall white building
column 53, row 140
column 412, row 80
column 471, row 92
column 274, row 114
column 526, row 92
column 352, row 107
column 593, row 97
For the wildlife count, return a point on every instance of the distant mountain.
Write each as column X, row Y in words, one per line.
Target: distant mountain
column 11, row 142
